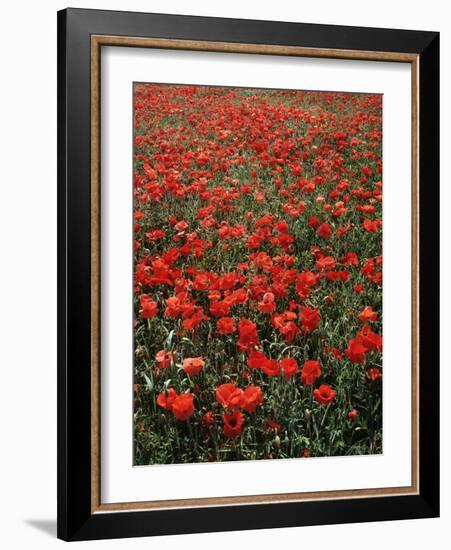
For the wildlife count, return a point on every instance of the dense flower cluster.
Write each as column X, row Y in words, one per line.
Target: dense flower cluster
column 257, row 273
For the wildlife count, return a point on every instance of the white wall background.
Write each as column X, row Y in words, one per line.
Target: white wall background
column 28, row 270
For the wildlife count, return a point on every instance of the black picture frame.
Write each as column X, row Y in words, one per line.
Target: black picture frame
column 75, row 518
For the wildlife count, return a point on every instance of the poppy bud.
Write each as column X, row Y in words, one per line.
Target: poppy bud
column 140, row 427
column 277, row 442
column 307, row 414
column 330, row 299
column 139, row 352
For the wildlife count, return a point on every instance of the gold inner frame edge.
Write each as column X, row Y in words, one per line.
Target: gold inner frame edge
column 97, row 41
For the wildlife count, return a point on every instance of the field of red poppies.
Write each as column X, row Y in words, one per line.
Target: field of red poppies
column 257, row 274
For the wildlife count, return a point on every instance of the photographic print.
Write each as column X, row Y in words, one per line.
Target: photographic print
column 257, row 274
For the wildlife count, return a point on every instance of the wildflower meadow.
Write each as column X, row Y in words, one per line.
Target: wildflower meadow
column 257, row 274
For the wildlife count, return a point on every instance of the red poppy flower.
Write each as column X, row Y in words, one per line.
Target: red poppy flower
column 229, row 396
column 311, row 370
column 208, row 419
column 155, row 235
column 161, row 274
column 233, row 423
column 149, row 308
column 324, row 230
column 254, row 241
column 353, row 415
column 256, row 359
column 229, row 280
column 201, row 282
column 284, row 323
column 370, row 339
column 164, row 359
column 324, row 394
column 181, row 226
column 271, row 367
column 226, row 325
column 166, row 400
column 218, row 309
column 237, row 297
column 313, row 222
column 252, row 397
column 306, row 281
column 183, row 406
column 289, row 367
column 289, row 331
column 350, row 259
column 281, row 226
column 336, row 353
column 193, row 365
column 367, row 314
column 356, row 351
column 374, row 374
column 309, row 319
column 173, row 305
column 248, row 336
column 191, row 323
column 341, row 275
column 267, row 305
column 325, row 262
column 369, row 267
column 372, row 226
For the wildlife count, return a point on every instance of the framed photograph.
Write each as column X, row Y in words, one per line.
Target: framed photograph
column 248, row 274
